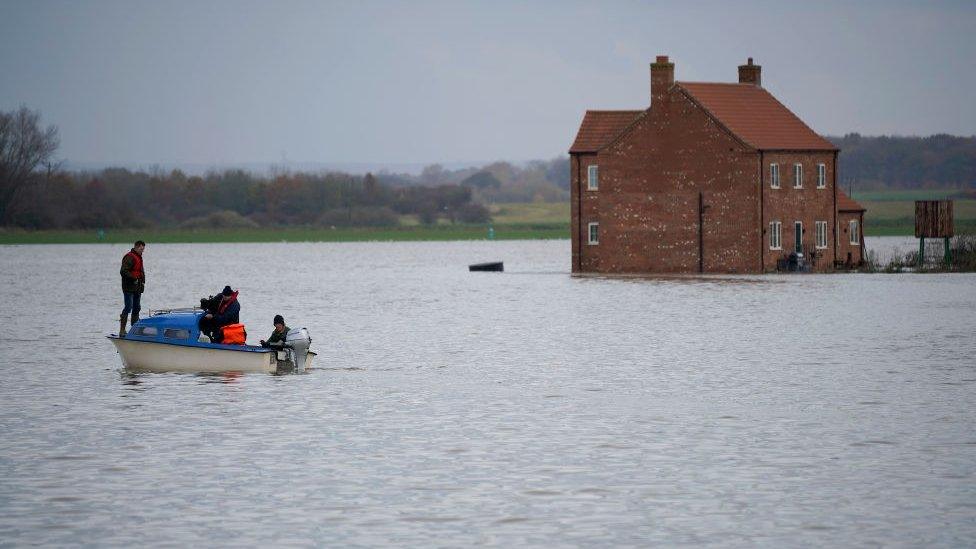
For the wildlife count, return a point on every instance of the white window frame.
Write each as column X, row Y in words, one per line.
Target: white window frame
column 798, row 243
column 774, row 176
column 775, row 235
column 855, row 237
column 821, row 176
column 797, row 176
column 821, row 242
column 592, row 177
column 589, row 233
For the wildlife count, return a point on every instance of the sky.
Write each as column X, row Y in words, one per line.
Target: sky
column 229, row 82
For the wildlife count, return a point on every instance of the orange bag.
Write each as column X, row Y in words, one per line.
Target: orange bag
column 234, row 334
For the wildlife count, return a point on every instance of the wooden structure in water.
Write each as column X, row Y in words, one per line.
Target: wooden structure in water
column 933, row 219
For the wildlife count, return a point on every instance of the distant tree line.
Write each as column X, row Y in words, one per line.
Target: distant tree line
column 36, row 194
column 121, row 198
column 935, row 162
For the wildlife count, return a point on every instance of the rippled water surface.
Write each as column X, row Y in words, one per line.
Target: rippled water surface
column 523, row 408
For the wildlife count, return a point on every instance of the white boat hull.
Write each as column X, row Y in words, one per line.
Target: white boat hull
column 149, row 356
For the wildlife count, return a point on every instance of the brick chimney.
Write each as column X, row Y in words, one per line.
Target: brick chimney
column 662, row 77
column 750, row 74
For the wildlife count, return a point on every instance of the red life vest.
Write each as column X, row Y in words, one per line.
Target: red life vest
column 226, row 303
column 234, row 334
column 137, row 272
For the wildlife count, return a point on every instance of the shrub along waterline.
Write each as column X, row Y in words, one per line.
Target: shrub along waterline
column 962, row 250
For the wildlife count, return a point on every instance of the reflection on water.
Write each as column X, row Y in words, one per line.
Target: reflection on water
column 520, row 408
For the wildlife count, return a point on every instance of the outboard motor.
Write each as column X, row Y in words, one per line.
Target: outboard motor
column 297, row 341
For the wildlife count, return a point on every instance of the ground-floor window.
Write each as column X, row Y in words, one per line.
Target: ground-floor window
column 821, row 234
column 594, row 233
column 776, row 235
column 855, row 241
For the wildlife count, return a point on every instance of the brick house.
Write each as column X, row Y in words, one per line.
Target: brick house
column 712, row 177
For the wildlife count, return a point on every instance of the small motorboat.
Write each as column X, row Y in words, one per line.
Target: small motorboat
column 170, row 341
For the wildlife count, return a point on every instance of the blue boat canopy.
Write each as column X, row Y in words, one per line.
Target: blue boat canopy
column 172, row 326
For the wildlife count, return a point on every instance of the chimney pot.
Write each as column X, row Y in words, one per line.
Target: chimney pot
column 662, row 59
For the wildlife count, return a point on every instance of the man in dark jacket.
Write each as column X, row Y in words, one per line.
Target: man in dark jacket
column 228, row 312
column 279, row 335
column 133, row 284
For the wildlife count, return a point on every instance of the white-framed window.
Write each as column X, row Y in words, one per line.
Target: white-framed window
column 593, row 231
column 855, row 241
column 774, row 176
column 821, row 234
column 797, row 176
column 592, row 178
column 798, row 237
column 776, row 235
column 821, row 176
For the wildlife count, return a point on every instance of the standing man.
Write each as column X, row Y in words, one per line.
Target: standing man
column 133, row 284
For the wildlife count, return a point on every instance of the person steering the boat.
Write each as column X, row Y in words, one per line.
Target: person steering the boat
column 228, row 312
column 277, row 338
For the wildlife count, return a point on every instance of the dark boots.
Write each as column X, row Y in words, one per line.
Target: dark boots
column 122, row 319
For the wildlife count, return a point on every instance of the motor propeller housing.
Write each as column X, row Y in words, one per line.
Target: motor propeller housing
column 298, row 341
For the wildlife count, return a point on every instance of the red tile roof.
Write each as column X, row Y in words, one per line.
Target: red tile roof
column 755, row 116
column 600, row 127
column 846, row 203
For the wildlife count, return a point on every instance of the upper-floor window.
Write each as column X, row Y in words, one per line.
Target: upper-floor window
column 774, row 176
column 594, row 233
column 855, row 240
column 821, row 176
column 821, row 234
column 797, row 176
column 776, row 235
column 593, row 178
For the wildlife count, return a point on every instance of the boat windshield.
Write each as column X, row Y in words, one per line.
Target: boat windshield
column 176, row 333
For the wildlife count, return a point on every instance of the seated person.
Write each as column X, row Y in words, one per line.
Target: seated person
column 227, row 312
column 277, row 338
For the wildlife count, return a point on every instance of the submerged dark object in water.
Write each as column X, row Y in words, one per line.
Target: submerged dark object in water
column 495, row 266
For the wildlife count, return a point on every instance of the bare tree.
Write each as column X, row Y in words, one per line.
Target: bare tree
column 24, row 146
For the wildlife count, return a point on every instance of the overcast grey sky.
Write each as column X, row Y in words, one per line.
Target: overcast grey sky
column 393, row 82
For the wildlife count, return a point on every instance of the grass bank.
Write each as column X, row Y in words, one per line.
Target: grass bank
column 524, row 231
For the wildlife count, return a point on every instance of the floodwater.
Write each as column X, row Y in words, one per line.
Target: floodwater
column 525, row 408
